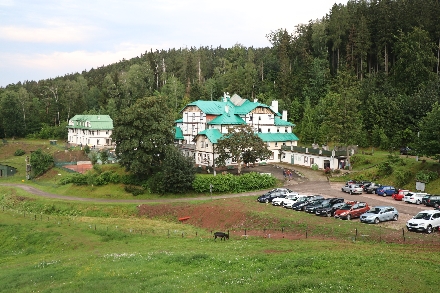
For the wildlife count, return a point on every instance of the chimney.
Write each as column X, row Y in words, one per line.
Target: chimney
column 284, row 117
column 274, row 106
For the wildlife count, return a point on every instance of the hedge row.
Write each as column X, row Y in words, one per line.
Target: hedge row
column 231, row 183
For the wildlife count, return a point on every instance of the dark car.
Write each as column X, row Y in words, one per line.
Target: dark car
column 425, row 199
column 373, row 188
column 386, row 190
column 274, row 193
column 329, row 210
column 405, row 151
column 301, row 207
column 433, row 201
column 311, row 208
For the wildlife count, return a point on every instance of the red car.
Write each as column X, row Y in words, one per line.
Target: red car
column 400, row 194
column 350, row 211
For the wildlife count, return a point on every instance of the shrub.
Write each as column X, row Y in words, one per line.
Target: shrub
column 385, row 169
column 403, row 177
column 426, row 176
column 231, row 183
column 315, row 167
column 19, row 152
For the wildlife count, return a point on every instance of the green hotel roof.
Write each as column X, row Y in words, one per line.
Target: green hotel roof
column 218, row 107
column 281, row 122
column 179, row 134
column 229, row 119
column 97, row 122
column 277, row 136
column 179, row 120
column 212, row 134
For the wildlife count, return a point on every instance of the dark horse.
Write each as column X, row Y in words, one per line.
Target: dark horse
column 221, row 235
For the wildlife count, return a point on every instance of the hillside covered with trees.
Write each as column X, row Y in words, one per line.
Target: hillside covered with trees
column 367, row 73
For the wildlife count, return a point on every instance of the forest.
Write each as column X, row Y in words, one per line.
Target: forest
column 367, row 73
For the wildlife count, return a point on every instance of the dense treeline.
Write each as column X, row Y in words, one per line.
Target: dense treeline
column 366, row 73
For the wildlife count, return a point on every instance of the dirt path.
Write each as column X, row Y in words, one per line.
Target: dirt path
column 305, row 181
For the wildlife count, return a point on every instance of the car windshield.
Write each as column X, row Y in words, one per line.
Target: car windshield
column 346, row 207
column 424, row 216
column 375, row 211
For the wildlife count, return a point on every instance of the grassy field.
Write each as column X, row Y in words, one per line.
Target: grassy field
column 69, row 254
column 50, row 245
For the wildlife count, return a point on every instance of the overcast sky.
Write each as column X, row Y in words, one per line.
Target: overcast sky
column 41, row 39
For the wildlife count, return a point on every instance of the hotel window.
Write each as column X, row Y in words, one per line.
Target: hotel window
column 286, row 130
column 278, row 129
column 268, row 130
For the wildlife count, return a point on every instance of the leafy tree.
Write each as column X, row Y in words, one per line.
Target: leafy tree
column 240, row 142
column 40, row 162
column 103, row 155
column 11, row 116
column 142, row 133
column 428, row 141
column 178, row 171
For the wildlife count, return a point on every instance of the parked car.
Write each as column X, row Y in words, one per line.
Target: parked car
column 289, row 202
column 405, row 151
column 366, row 186
column 433, row 201
column 380, row 214
column 352, row 189
column 274, row 193
column 301, row 201
column 400, row 194
column 425, row 199
column 350, row 211
column 373, row 187
column 279, row 201
column 301, row 207
column 425, row 221
column 414, row 197
column 317, row 204
column 329, row 211
column 386, row 190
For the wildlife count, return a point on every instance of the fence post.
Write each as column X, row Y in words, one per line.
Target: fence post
column 244, row 231
column 356, row 235
column 307, row 229
column 403, row 233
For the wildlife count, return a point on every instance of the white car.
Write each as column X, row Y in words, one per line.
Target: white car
column 288, row 203
column 352, row 189
column 425, row 221
column 415, row 197
column 279, row 201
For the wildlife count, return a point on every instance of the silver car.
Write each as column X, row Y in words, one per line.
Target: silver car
column 380, row 214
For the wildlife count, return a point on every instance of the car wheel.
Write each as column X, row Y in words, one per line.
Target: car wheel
column 373, row 191
column 429, row 229
column 266, row 201
column 348, row 217
column 376, row 221
column 351, row 192
column 418, row 202
column 329, row 214
column 396, row 217
column 384, row 194
column 436, row 205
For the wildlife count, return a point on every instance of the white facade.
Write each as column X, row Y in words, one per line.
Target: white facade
column 91, row 130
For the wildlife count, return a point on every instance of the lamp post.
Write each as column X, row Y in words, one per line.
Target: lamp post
column 213, row 160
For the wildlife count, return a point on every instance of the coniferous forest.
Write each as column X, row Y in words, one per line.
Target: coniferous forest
column 367, row 73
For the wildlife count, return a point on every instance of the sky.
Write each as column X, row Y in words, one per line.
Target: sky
column 42, row 39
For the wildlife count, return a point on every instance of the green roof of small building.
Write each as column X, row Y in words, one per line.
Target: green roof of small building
column 97, row 122
column 227, row 119
column 179, row 120
column 267, row 137
column 178, row 133
column 281, row 122
column 212, row 134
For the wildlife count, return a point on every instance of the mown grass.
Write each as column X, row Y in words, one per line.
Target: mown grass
column 68, row 255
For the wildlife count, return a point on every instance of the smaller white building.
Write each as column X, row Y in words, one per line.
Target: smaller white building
column 91, row 130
